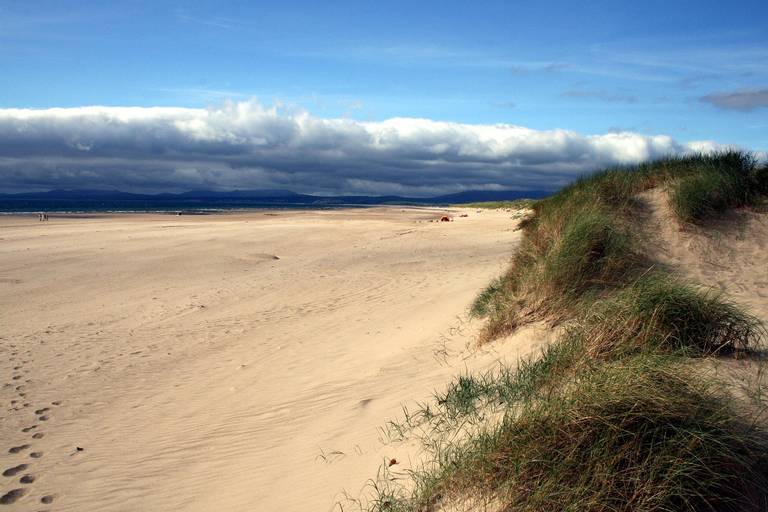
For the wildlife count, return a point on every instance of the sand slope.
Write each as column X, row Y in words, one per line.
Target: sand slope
column 728, row 254
column 197, row 371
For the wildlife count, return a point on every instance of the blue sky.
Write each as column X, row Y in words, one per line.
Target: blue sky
column 693, row 71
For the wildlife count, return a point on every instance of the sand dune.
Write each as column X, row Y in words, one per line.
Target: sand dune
column 229, row 362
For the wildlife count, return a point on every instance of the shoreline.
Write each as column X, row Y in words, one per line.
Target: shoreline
column 230, row 211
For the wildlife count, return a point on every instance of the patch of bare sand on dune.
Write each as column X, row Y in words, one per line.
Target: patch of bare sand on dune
column 728, row 254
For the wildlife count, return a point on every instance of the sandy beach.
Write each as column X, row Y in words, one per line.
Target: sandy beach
column 229, row 362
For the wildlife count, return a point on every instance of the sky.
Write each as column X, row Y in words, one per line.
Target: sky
column 414, row 98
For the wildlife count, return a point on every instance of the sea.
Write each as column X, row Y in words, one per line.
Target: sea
column 185, row 206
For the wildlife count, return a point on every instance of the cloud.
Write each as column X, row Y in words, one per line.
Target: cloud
column 619, row 129
column 222, row 22
column 690, row 82
column 249, row 145
column 745, row 100
column 600, row 95
column 504, row 104
column 533, row 67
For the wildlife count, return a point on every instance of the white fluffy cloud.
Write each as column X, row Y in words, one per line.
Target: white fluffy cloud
column 246, row 145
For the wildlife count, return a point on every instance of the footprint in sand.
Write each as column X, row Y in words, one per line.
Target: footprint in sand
column 39, row 435
column 27, row 479
column 48, row 498
column 36, row 455
column 41, row 411
column 17, row 449
column 43, row 418
column 27, row 429
column 11, row 496
column 14, row 470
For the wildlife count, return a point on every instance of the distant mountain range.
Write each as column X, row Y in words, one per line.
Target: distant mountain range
column 271, row 197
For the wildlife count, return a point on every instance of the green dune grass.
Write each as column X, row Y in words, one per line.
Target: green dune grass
column 618, row 414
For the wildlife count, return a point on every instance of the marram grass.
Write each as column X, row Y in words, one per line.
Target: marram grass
column 614, row 416
column 582, row 243
column 662, row 313
column 730, row 181
column 641, row 434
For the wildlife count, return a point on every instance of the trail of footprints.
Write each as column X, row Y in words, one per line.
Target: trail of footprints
column 21, row 474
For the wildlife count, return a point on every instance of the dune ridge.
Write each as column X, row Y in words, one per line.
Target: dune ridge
column 652, row 396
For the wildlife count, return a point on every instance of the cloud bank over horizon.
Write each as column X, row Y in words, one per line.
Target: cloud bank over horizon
column 247, row 145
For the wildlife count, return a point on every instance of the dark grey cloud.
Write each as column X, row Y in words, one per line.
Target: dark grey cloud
column 744, row 100
column 246, row 145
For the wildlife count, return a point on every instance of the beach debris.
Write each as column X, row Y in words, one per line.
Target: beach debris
column 392, row 462
column 445, row 218
column 464, row 215
column 330, row 457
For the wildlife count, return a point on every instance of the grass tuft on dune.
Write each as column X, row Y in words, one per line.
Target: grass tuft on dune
column 516, row 204
column 661, row 313
column 729, row 181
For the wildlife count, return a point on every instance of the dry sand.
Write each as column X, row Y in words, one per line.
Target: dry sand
column 196, row 371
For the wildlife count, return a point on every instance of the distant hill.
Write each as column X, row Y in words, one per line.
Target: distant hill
column 476, row 196
column 239, row 194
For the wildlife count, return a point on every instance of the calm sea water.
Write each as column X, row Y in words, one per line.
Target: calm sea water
column 10, row 206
